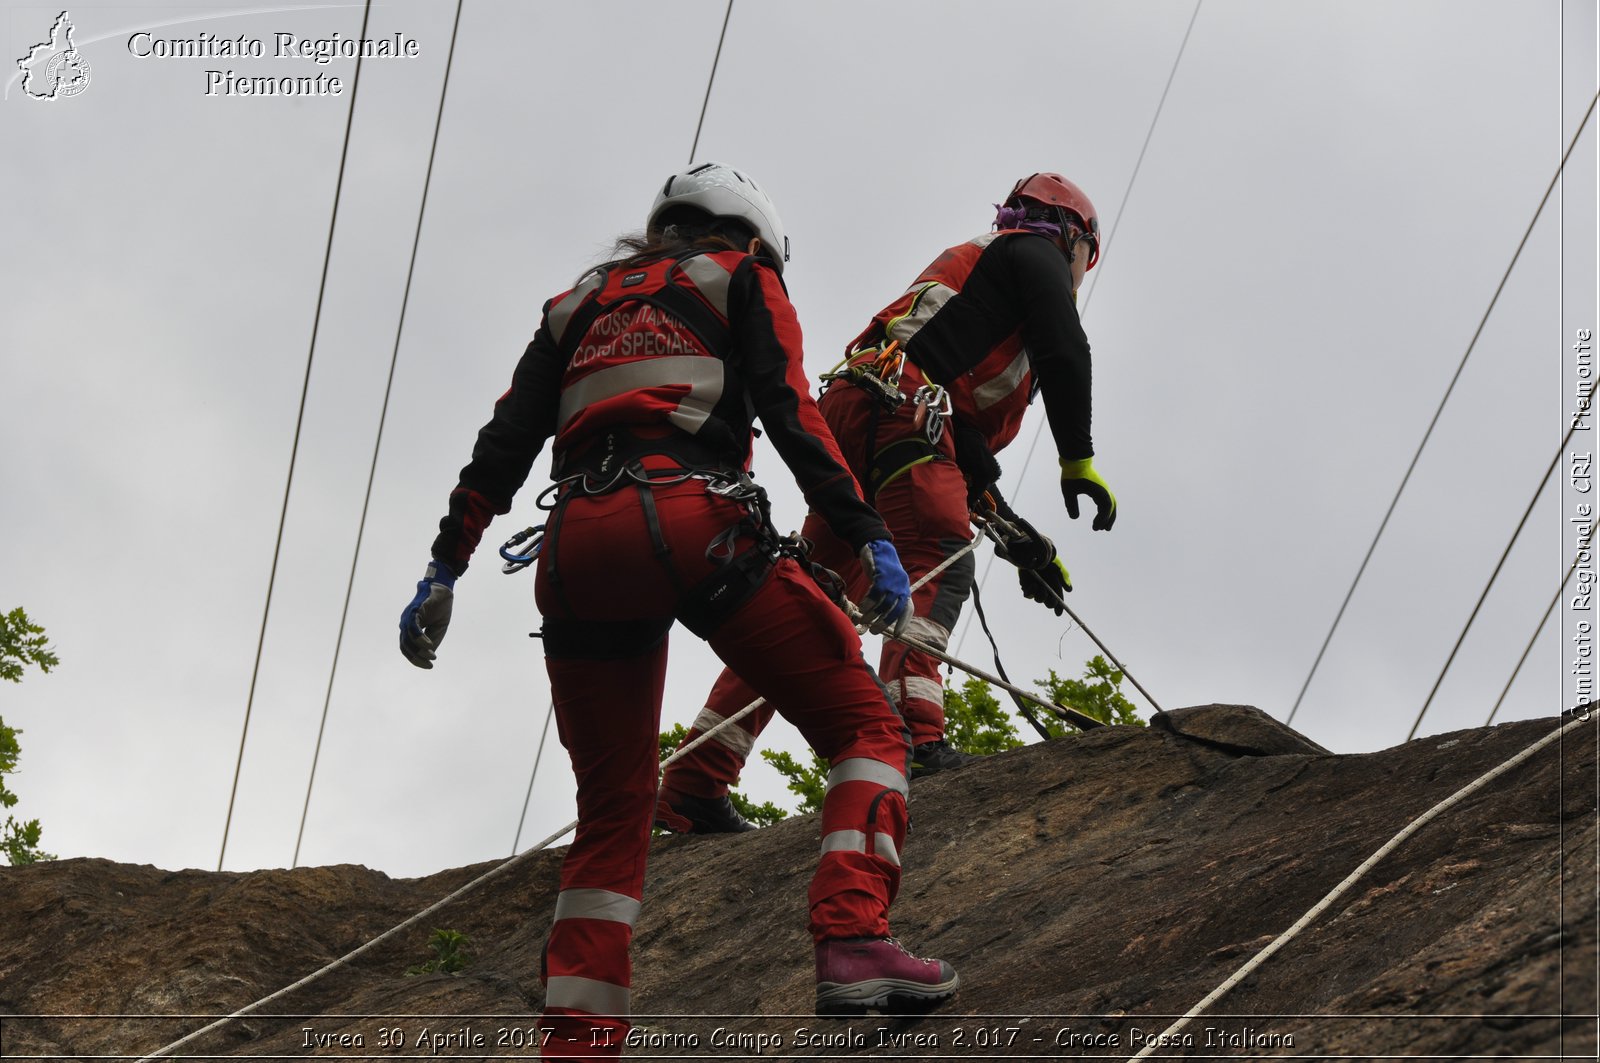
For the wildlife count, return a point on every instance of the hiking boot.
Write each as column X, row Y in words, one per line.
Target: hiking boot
column 857, row 974
column 933, row 757
column 686, row 814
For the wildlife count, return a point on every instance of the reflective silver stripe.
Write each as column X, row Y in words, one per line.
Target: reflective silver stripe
column 711, row 279
column 928, row 302
column 561, row 313
column 923, row 689
column 932, row 632
column 861, row 769
column 883, row 846
column 855, row 841
column 702, row 375
column 586, row 994
column 998, row 388
column 735, row 737
column 597, row 904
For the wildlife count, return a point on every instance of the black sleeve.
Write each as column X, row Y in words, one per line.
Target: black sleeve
column 767, row 356
column 524, row 418
column 1058, row 349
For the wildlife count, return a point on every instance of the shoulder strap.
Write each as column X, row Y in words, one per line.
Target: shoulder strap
column 594, row 297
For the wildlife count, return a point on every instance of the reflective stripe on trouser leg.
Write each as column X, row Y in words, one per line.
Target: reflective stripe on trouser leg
column 607, row 716
column 796, row 648
column 863, row 830
column 591, row 921
column 712, row 767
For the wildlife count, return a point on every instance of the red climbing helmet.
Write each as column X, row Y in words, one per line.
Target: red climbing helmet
column 1053, row 190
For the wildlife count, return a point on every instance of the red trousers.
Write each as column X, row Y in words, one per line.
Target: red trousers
column 615, row 570
column 925, row 508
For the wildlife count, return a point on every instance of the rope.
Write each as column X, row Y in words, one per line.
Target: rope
column 1100, row 272
column 377, row 445
column 1515, row 535
column 537, row 757
column 705, row 103
column 492, row 873
column 1425, row 435
column 1321, row 906
column 1587, row 537
column 294, row 448
column 971, row 669
column 694, row 147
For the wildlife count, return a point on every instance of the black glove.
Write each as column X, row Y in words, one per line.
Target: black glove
column 1048, row 584
column 975, row 461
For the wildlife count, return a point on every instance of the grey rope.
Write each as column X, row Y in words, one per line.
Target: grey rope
column 537, row 757
column 1099, row 273
column 377, row 445
column 1515, row 535
column 1588, row 536
column 705, row 103
column 294, row 448
column 1425, row 435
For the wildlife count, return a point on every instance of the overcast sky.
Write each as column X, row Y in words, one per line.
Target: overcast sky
column 1327, row 204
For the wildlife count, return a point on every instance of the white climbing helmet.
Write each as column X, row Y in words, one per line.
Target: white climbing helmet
column 724, row 192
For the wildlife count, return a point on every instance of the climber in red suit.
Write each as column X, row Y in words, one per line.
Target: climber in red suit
column 989, row 324
column 646, row 375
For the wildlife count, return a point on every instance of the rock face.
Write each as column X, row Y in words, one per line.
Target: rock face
column 1088, row 890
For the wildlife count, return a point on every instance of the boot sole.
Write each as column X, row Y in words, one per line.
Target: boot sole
column 894, row 996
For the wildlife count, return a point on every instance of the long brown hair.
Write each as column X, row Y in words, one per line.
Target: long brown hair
column 679, row 229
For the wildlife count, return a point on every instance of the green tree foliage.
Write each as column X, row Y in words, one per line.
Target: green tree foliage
column 1098, row 693
column 807, row 781
column 22, row 643
column 974, row 721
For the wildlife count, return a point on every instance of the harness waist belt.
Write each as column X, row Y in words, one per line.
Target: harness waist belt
column 609, row 454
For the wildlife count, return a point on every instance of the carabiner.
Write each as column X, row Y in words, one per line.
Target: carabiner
column 933, row 408
column 516, row 560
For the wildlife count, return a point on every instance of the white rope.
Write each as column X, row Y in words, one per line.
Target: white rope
column 1321, row 906
column 494, row 872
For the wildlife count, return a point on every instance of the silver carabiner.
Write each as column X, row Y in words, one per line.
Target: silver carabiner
column 933, row 409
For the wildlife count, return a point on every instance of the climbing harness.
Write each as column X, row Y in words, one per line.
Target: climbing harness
column 878, row 371
column 875, row 370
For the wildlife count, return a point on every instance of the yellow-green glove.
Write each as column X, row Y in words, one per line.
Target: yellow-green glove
column 1079, row 478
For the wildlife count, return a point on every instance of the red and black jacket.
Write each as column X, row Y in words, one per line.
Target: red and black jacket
column 993, row 320
column 687, row 346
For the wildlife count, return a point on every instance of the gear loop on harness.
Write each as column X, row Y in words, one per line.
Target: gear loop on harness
column 875, row 370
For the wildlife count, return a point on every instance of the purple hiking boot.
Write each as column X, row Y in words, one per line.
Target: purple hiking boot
column 858, row 974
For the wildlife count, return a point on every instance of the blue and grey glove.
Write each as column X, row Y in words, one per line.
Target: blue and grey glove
column 1079, row 478
column 427, row 618
column 886, row 608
